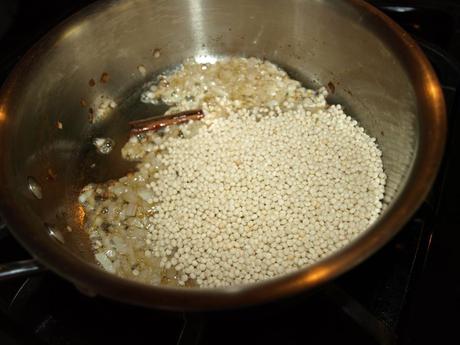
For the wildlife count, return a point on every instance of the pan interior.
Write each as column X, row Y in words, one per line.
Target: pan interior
column 317, row 42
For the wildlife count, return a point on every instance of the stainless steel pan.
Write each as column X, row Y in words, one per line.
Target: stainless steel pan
column 378, row 71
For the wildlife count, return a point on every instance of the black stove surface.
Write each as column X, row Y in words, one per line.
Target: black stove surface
column 407, row 293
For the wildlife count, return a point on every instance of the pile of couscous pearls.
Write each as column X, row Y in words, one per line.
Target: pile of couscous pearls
column 271, row 180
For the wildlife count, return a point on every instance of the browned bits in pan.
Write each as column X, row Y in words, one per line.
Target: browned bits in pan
column 331, row 87
column 90, row 115
column 104, row 78
column 51, row 175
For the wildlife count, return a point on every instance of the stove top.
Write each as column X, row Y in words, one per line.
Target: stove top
column 402, row 295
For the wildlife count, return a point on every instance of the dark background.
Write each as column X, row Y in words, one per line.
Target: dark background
column 433, row 315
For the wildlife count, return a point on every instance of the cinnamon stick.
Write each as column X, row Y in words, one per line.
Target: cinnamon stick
column 155, row 123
